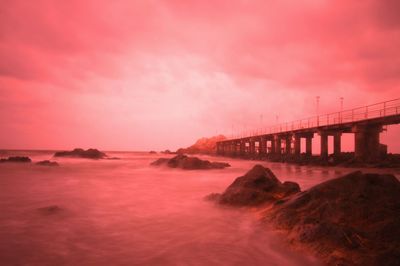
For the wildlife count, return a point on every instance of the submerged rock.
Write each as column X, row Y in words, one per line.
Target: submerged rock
column 257, row 186
column 189, row 163
column 81, row 153
column 47, row 163
column 351, row 220
column 50, row 210
column 16, row 159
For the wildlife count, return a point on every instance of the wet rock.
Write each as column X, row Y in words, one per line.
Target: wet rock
column 47, row 163
column 81, row 153
column 16, row 159
column 257, row 186
column 160, row 161
column 189, row 163
column 353, row 220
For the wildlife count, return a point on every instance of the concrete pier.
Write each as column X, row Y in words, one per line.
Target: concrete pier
column 365, row 123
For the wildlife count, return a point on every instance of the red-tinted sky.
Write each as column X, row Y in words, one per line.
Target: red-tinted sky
column 136, row 75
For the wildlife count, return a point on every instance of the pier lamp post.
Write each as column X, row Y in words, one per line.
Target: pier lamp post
column 341, row 109
column 317, row 110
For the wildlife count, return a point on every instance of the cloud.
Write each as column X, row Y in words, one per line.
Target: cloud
column 145, row 66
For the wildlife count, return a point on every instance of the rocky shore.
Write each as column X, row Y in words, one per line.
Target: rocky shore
column 350, row 220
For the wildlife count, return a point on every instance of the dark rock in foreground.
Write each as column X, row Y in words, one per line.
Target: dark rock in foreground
column 47, row 163
column 81, row 153
column 257, row 186
column 189, row 163
column 16, row 159
column 351, row 220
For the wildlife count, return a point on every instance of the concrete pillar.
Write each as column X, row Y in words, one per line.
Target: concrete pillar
column 288, row 143
column 308, row 146
column 262, row 148
column 367, row 143
column 277, row 141
column 337, row 143
column 252, row 146
column 297, row 144
column 273, row 149
column 324, row 145
column 242, row 147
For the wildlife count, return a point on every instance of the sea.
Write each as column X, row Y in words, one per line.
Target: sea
column 126, row 212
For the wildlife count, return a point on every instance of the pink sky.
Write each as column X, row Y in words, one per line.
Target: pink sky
column 139, row 75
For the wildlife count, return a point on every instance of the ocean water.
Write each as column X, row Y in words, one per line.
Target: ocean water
column 124, row 212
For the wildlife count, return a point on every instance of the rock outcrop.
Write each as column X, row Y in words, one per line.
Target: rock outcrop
column 16, row 159
column 81, row 153
column 203, row 146
column 47, row 163
column 257, row 186
column 189, row 163
column 351, row 220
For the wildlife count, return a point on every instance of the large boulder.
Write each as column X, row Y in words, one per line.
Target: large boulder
column 257, row 186
column 351, row 220
column 81, row 153
column 16, row 159
column 189, row 163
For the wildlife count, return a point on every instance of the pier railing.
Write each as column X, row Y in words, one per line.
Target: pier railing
column 377, row 110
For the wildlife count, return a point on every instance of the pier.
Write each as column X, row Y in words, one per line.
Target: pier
column 366, row 123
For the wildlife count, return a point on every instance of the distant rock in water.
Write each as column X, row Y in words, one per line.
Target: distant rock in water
column 351, row 220
column 257, row 186
column 203, row 146
column 152, row 152
column 168, row 152
column 81, row 153
column 47, row 163
column 50, row 210
column 16, row 159
column 189, row 163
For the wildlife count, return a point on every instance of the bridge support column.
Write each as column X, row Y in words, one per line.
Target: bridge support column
column 337, row 143
column 309, row 146
column 277, row 142
column 288, row 143
column 324, row 145
column 262, row 148
column 367, row 143
column 273, row 149
column 242, row 148
column 297, row 145
column 252, row 147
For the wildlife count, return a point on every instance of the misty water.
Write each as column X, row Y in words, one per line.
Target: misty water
column 124, row 212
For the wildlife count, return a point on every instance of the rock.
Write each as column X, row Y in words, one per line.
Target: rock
column 357, row 216
column 168, row 152
column 16, row 159
column 189, row 163
column 257, row 186
column 50, row 210
column 152, row 152
column 47, row 163
column 160, row 161
column 81, row 153
column 203, row 146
